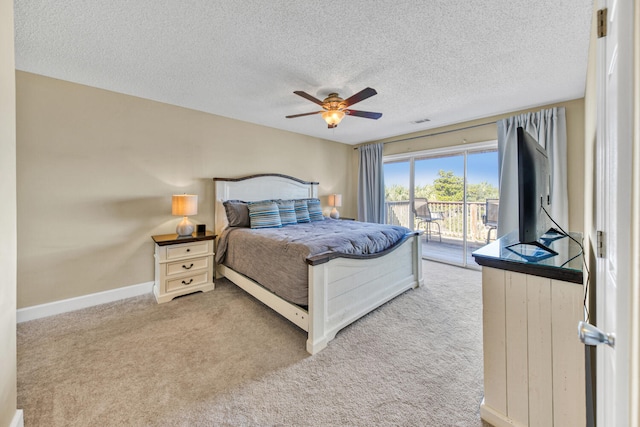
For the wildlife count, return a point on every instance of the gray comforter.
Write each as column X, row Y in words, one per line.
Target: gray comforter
column 277, row 257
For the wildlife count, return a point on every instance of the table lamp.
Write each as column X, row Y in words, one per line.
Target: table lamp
column 184, row 205
column 335, row 200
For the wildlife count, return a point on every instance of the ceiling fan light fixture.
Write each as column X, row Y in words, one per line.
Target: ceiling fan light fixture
column 335, row 108
column 333, row 117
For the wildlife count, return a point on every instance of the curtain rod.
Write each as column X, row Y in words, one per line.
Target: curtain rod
column 436, row 133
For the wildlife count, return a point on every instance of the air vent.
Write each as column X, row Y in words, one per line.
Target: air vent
column 417, row 122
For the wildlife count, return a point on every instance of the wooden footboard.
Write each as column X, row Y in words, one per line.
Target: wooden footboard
column 342, row 290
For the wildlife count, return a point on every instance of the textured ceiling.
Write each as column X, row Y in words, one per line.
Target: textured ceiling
column 449, row 61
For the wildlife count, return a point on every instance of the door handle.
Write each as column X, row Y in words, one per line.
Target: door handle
column 590, row 335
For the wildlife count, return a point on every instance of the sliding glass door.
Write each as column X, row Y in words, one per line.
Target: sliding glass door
column 440, row 180
column 397, row 181
column 445, row 194
column 482, row 197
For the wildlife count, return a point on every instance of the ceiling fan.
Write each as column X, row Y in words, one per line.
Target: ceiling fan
column 335, row 108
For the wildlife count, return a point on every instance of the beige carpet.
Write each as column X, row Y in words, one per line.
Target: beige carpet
column 222, row 358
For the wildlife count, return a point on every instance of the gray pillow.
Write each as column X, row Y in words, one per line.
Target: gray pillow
column 237, row 213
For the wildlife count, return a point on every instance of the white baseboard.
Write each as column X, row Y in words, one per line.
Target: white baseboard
column 18, row 419
column 77, row 303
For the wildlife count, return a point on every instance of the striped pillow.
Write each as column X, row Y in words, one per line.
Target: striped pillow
column 302, row 212
column 264, row 214
column 315, row 210
column 287, row 212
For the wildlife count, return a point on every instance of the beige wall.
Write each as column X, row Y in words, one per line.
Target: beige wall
column 575, row 148
column 8, row 399
column 96, row 171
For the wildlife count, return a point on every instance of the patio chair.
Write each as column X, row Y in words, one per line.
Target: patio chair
column 425, row 217
column 490, row 218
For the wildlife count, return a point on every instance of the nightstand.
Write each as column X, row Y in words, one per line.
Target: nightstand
column 183, row 265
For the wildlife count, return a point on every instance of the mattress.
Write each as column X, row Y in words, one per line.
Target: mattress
column 276, row 258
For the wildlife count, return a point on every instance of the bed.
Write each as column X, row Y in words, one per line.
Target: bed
column 341, row 287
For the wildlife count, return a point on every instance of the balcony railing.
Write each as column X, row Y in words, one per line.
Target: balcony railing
column 452, row 224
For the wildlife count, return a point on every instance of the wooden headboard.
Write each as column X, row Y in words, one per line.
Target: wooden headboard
column 257, row 187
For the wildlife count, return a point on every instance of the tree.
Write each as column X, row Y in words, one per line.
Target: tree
column 481, row 192
column 396, row 193
column 448, row 187
column 427, row 191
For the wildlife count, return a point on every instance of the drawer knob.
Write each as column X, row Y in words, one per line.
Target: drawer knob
column 188, row 250
column 187, row 283
column 187, row 268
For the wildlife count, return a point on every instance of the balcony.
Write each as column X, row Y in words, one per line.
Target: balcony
column 450, row 249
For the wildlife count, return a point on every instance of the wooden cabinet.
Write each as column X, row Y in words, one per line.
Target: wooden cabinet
column 534, row 373
column 183, row 265
column 534, row 363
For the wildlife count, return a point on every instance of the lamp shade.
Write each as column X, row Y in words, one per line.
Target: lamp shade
column 184, row 204
column 333, row 117
column 335, row 200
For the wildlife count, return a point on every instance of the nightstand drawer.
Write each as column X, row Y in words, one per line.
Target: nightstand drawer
column 184, row 266
column 187, row 281
column 187, row 249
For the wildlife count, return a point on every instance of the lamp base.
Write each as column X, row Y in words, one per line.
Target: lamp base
column 185, row 228
column 334, row 214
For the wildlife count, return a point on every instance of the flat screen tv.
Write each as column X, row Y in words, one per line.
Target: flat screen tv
column 534, row 197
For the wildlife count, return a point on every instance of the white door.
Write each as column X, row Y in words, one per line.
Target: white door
column 613, row 212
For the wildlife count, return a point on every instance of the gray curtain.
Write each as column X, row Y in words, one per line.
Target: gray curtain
column 549, row 127
column 371, row 184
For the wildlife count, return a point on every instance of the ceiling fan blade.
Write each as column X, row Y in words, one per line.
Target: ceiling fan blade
column 360, row 96
column 309, row 97
column 304, row 114
column 365, row 114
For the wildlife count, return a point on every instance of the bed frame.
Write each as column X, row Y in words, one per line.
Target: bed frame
column 342, row 288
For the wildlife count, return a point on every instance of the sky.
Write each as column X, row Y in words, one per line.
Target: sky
column 481, row 167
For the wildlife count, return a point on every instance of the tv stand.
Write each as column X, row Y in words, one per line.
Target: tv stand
column 552, row 235
column 534, row 364
column 532, row 251
column 538, row 250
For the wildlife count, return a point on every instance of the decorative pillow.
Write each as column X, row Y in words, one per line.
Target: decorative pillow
column 264, row 214
column 302, row 212
column 237, row 213
column 287, row 212
column 315, row 210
